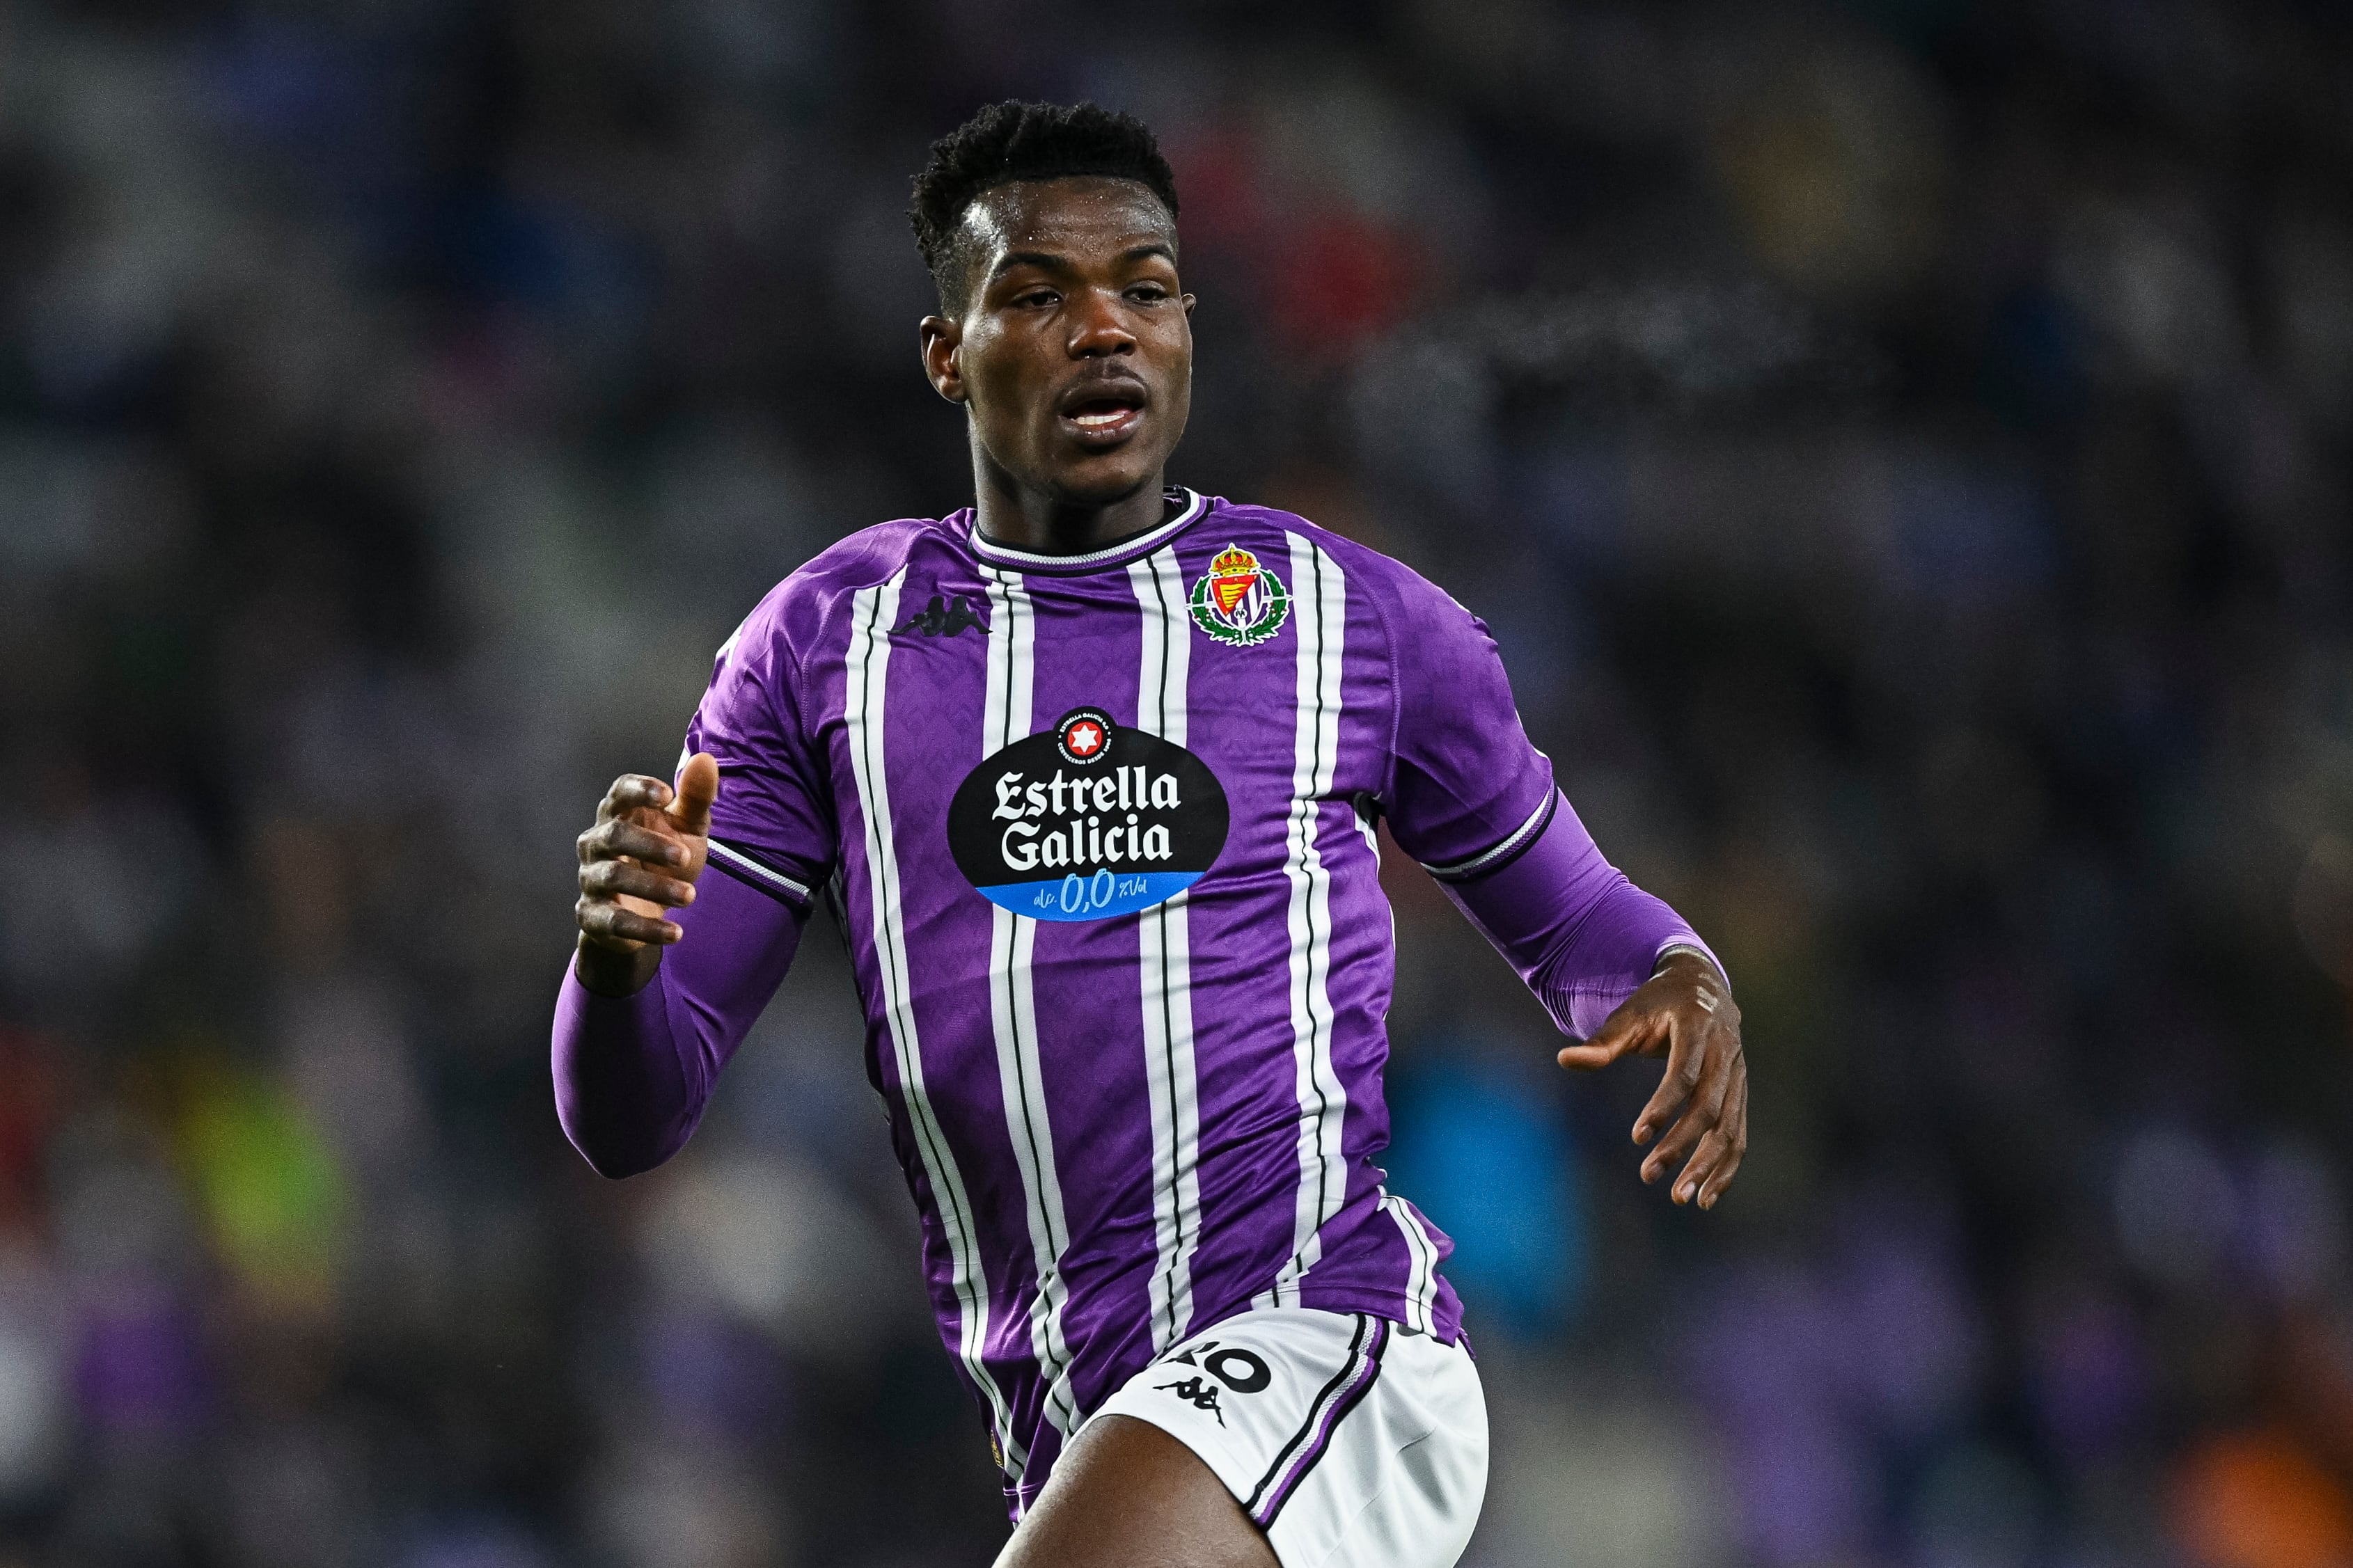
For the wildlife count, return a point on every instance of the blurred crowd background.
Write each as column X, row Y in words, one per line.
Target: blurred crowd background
column 1902, row 447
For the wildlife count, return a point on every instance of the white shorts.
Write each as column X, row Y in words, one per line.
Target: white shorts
column 1348, row 1438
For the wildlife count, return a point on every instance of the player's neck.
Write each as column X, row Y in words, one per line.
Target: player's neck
column 1044, row 526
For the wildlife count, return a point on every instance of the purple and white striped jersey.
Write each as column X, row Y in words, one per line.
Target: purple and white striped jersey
column 1101, row 831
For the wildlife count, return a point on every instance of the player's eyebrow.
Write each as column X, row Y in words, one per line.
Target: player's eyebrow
column 1050, row 261
column 1045, row 260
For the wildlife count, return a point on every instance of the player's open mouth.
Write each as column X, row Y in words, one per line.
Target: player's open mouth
column 1105, row 418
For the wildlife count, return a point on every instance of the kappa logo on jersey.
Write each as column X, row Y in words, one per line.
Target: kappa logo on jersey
column 1239, row 602
column 1087, row 820
column 941, row 618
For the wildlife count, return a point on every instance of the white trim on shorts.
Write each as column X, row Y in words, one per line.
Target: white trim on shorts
column 1348, row 1438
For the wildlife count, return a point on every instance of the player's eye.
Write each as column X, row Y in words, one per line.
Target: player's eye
column 1036, row 297
column 1149, row 293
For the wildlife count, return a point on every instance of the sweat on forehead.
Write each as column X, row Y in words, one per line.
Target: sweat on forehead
column 1064, row 212
column 1069, row 199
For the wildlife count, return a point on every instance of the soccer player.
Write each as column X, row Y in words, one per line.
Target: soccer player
column 1091, row 770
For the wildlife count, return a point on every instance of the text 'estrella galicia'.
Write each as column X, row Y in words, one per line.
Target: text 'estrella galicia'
column 1089, row 819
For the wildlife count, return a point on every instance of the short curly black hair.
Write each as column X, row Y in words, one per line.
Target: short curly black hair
column 1013, row 141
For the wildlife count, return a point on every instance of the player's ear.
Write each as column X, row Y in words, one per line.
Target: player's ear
column 942, row 363
column 1188, row 306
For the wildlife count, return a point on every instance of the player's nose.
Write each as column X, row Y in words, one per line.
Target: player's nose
column 1099, row 327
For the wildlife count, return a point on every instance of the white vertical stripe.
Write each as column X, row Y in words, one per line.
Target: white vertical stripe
column 1006, row 716
column 1320, row 601
column 873, row 612
column 1012, row 660
column 1366, row 826
column 1164, row 952
column 1421, row 1265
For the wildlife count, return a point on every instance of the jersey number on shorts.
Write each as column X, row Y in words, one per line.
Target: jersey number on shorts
column 1237, row 1368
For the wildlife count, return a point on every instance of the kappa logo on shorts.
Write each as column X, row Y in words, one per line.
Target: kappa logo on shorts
column 1240, row 1370
column 1239, row 602
column 1199, row 1392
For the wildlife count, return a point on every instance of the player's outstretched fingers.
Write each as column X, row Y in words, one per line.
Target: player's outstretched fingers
column 1714, row 1057
column 1719, row 1150
column 1687, row 1060
column 1722, row 1150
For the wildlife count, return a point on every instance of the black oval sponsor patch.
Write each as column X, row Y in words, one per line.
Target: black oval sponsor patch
column 1087, row 820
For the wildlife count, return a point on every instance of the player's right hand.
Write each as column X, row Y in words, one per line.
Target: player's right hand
column 642, row 857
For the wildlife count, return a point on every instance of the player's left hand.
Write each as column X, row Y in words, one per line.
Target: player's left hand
column 1686, row 1013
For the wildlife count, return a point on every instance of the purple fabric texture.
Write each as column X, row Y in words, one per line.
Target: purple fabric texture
column 1101, row 830
column 1582, row 936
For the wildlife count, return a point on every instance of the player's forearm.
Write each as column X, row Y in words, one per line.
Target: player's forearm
column 1581, row 935
column 633, row 1072
column 623, row 1091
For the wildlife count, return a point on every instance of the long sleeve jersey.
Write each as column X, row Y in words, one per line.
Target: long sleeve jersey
column 1101, row 829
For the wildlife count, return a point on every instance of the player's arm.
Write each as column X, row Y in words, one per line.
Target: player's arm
column 1474, row 802
column 673, row 966
column 1619, row 968
column 670, row 971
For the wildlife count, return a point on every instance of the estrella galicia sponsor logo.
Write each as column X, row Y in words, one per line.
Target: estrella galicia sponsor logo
column 1087, row 820
column 1239, row 602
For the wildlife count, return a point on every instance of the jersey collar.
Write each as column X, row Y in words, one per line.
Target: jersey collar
column 1127, row 550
